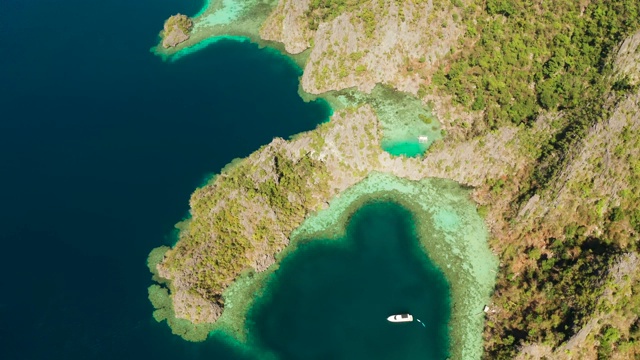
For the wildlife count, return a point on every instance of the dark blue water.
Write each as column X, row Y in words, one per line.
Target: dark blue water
column 331, row 298
column 101, row 144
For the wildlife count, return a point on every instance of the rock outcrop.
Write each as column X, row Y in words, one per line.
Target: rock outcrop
column 287, row 24
column 627, row 63
column 176, row 30
column 381, row 46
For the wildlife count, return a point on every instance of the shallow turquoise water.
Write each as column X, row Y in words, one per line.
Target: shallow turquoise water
column 330, row 298
column 407, row 148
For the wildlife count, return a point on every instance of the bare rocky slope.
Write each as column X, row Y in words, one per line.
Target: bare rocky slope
column 381, row 40
column 176, row 30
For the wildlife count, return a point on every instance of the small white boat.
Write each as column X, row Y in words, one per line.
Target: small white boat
column 400, row 318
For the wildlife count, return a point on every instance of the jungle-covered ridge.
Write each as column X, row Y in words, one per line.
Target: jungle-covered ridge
column 565, row 219
column 522, row 60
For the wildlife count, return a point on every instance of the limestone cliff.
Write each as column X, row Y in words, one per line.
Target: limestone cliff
column 374, row 42
column 627, row 61
column 287, row 24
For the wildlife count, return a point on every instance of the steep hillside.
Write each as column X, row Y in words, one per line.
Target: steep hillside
column 361, row 43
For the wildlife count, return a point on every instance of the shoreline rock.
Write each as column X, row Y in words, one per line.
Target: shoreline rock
column 176, row 30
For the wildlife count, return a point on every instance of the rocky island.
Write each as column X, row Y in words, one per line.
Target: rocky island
column 176, row 30
column 538, row 106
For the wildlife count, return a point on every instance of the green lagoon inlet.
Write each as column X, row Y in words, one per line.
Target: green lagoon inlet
column 331, row 297
column 427, row 230
column 384, row 246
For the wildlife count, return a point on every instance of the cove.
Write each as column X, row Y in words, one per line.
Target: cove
column 331, row 297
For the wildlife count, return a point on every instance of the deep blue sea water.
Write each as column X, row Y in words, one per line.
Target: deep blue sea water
column 101, row 144
column 331, row 298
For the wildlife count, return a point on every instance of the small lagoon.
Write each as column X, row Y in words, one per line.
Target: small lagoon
column 331, row 297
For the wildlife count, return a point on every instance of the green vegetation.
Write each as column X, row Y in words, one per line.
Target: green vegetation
column 557, row 292
column 364, row 11
column 424, row 118
column 559, row 285
column 520, row 59
column 360, row 69
column 528, row 57
column 159, row 297
column 622, row 338
column 183, row 22
column 326, row 10
column 609, row 337
column 221, row 236
column 629, row 150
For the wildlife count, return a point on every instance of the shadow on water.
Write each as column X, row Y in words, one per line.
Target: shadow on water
column 330, row 298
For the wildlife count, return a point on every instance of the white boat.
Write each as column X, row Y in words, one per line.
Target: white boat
column 400, row 318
